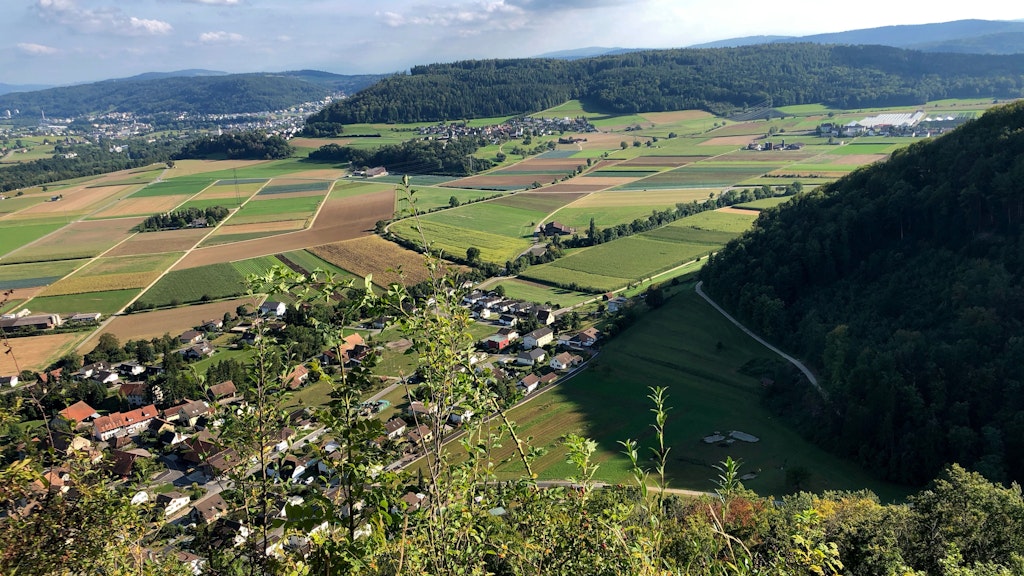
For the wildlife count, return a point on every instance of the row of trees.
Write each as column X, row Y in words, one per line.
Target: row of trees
column 902, row 285
column 718, row 80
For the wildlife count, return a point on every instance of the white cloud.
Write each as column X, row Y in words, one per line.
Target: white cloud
column 69, row 14
column 220, row 36
column 217, row 2
column 474, row 17
column 36, row 49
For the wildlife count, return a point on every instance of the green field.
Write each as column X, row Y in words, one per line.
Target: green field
column 696, row 354
column 701, row 175
column 718, row 221
column 765, row 203
column 10, row 205
column 453, row 239
column 106, row 302
column 192, row 284
column 427, row 198
column 543, row 203
column 209, row 203
column 490, row 217
column 313, row 185
column 182, row 185
column 14, row 235
column 257, row 266
column 276, row 209
column 36, row 273
column 541, row 294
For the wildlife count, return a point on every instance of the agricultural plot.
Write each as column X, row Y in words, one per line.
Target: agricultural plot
column 256, row 266
column 210, row 203
column 13, row 276
column 14, row 234
column 308, row 262
column 339, row 219
column 490, row 217
column 542, row 294
column 376, row 256
column 765, row 203
column 12, row 205
column 698, row 355
column 276, row 209
column 105, row 302
column 77, row 201
column 427, row 198
column 226, row 190
column 614, row 264
column 716, row 220
column 77, row 240
column 174, row 187
column 231, row 169
column 703, row 175
column 114, row 273
column 293, row 187
column 36, row 353
column 213, row 168
column 642, row 162
column 147, row 325
column 134, row 206
column 209, row 282
column 158, row 242
column 611, row 208
column 541, row 202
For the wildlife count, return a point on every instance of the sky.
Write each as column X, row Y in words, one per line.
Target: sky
column 67, row 41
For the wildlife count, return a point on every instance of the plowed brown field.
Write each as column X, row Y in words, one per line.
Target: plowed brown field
column 157, row 242
column 36, row 352
column 339, row 219
column 148, row 325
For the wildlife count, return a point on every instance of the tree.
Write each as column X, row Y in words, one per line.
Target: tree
column 453, row 202
column 472, row 254
column 623, row 145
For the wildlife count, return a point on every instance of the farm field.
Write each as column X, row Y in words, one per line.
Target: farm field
column 490, row 217
column 146, row 325
column 707, row 174
column 106, row 302
column 292, row 187
column 174, row 187
column 764, row 203
column 136, row 206
column 427, row 198
column 183, row 286
column 376, row 256
column 540, row 293
column 205, row 203
column 158, row 242
column 14, row 235
column 13, row 276
column 114, row 273
column 276, row 209
column 309, row 262
column 84, row 239
column 611, row 208
column 695, row 353
column 339, row 219
column 228, row 190
column 10, row 205
column 224, row 168
column 78, row 201
column 37, row 352
column 453, row 239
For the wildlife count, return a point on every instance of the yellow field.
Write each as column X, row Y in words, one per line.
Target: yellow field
column 79, row 200
column 116, row 273
column 37, row 352
column 374, row 255
column 676, row 116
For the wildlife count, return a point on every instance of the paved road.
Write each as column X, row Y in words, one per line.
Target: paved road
column 800, row 365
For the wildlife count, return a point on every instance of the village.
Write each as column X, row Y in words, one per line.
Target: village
column 171, row 456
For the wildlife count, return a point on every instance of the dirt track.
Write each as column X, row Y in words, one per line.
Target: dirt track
column 340, row 219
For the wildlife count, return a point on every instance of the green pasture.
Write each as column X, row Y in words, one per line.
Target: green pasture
column 806, row 110
column 129, row 264
column 427, row 198
column 687, row 235
column 416, row 179
column 14, row 234
column 263, row 171
column 858, row 147
column 455, row 239
column 220, row 354
column 107, row 302
column 203, row 204
column 8, row 305
column 182, row 185
column 276, row 209
column 490, row 217
column 541, row 294
column 544, row 202
column 697, row 355
column 192, row 284
column 36, row 151
column 619, row 262
column 36, row 273
column 350, row 188
column 240, row 181
column 605, row 216
column 717, row 221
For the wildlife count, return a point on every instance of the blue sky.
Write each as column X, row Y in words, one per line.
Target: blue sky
column 65, row 41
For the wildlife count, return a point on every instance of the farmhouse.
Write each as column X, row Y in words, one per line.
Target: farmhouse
column 556, row 228
column 37, row 321
column 84, row 317
column 123, row 424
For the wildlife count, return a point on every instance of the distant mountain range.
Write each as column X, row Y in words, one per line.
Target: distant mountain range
column 959, row 36
column 192, row 91
column 8, row 88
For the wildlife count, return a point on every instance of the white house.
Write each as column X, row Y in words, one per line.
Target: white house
column 530, row 357
column 529, row 383
column 564, row 361
column 539, row 337
column 273, row 308
column 172, row 502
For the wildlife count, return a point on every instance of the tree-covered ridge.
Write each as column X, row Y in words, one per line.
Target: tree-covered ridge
column 717, row 80
column 902, row 284
column 254, row 145
column 229, row 94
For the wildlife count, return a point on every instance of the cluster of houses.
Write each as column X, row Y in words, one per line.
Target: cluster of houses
column 768, row 146
column 509, row 130
column 913, row 124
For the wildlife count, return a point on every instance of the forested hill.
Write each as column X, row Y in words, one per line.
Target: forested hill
column 226, row 94
column 903, row 285
column 718, row 80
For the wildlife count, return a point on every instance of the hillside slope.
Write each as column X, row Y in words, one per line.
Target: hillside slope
column 903, row 283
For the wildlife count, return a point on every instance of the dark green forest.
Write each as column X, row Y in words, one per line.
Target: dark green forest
column 721, row 81
column 228, row 94
column 183, row 219
column 255, row 145
column 901, row 284
column 452, row 158
column 92, row 159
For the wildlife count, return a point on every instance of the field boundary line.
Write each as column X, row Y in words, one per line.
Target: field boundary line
column 800, row 365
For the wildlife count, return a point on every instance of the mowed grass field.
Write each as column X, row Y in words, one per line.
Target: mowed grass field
column 15, row 234
column 276, row 209
column 453, row 239
column 531, row 292
column 106, row 302
column 174, row 187
column 492, row 217
column 427, row 198
column 213, row 281
column 84, row 239
column 696, row 354
column 611, row 208
column 13, row 276
column 615, row 264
